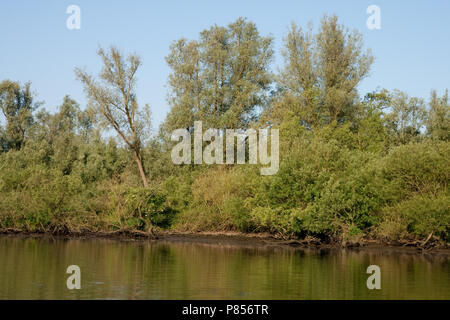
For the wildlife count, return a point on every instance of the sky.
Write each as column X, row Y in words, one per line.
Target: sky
column 411, row 50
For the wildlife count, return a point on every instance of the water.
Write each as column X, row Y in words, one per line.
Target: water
column 35, row 268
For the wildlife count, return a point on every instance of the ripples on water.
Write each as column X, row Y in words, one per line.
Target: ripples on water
column 35, row 268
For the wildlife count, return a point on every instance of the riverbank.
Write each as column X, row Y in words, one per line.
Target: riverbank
column 239, row 239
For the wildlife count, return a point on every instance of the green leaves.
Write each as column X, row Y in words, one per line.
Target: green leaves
column 349, row 168
column 221, row 79
column 16, row 104
column 114, row 99
column 321, row 74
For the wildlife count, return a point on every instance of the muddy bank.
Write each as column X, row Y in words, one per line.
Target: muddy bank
column 238, row 239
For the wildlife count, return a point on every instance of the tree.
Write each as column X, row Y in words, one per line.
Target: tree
column 221, row 79
column 3, row 141
column 370, row 124
column 321, row 73
column 16, row 104
column 438, row 117
column 406, row 116
column 114, row 98
column 62, row 135
column 297, row 81
column 342, row 66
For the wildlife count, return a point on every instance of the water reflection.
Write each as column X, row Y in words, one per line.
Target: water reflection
column 35, row 269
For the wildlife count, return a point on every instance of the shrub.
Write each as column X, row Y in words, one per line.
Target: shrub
column 137, row 208
column 417, row 218
column 416, row 168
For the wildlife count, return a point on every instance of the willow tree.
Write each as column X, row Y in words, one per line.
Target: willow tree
column 222, row 78
column 321, row 73
column 438, row 116
column 114, row 98
column 406, row 116
column 17, row 106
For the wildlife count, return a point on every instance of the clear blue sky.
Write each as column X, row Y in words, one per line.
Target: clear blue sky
column 412, row 49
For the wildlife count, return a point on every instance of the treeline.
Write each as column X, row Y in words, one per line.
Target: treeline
column 352, row 167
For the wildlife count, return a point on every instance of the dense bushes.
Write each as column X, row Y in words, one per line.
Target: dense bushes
column 417, row 218
column 93, row 189
column 350, row 168
column 327, row 190
column 44, row 199
column 217, row 200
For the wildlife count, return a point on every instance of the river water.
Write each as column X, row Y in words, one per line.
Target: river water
column 35, row 268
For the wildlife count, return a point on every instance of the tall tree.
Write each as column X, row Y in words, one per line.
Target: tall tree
column 114, row 98
column 298, row 80
column 3, row 141
column 405, row 117
column 342, row 66
column 221, row 79
column 321, row 73
column 17, row 106
column 438, row 117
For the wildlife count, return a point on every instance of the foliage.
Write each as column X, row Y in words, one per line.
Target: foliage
column 351, row 168
column 221, row 79
column 115, row 100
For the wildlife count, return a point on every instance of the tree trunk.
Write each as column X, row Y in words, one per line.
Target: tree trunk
column 138, row 159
